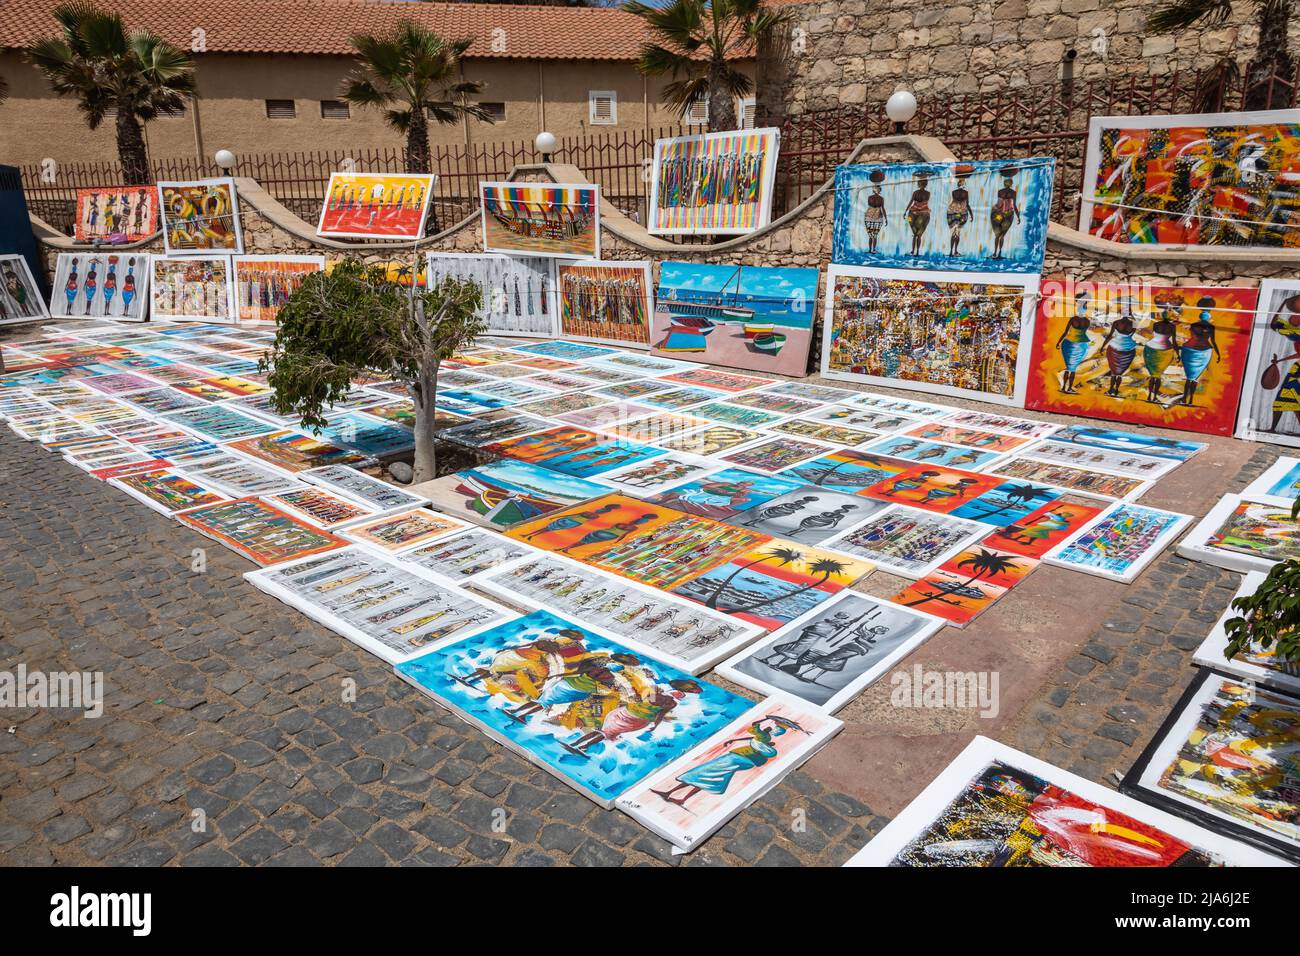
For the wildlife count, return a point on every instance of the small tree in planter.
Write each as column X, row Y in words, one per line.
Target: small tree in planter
column 356, row 320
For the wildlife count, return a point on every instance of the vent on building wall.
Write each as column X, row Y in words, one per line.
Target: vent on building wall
column 745, row 112
column 698, row 114
column 335, row 110
column 280, row 109
column 496, row 112
column 602, row 107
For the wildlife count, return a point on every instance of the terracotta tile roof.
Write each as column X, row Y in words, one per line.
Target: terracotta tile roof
column 324, row 26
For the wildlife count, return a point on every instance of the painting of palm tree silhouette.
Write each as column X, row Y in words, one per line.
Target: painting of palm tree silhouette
column 781, row 556
column 968, row 584
column 1009, row 501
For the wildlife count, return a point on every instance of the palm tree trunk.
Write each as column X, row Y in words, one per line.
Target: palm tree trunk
column 712, row 602
column 417, row 142
column 1271, row 68
column 131, row 151
column 425, row 466
column 785, row 597
column 722, row 110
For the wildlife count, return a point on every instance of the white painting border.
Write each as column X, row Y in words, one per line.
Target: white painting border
column 1135, row 568
column 648, row 303
column 977, row 532
column 483, row 214
column 163, row 219
column 1210, row 653
column 431, row 183
column 157, row 315
column 771, row 152
column 1196, row 546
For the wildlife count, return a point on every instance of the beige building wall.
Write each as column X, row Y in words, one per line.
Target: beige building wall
column 232, row 114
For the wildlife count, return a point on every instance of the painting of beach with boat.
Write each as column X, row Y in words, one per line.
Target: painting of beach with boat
column 746, row 317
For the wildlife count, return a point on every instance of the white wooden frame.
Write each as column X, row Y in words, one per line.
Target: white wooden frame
column 771, row 151
column 164, row 218
column 1053, row 557
column 1264, row 344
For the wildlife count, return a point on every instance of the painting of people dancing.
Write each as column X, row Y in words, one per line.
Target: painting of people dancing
column 376, row 205
column 718, row 183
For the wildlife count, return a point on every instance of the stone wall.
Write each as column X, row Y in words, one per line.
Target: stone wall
column 847, row 52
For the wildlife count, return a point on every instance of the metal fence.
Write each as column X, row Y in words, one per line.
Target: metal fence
column 1041, row 121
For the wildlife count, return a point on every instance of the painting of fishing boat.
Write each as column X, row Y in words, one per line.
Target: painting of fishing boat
column 541, row 219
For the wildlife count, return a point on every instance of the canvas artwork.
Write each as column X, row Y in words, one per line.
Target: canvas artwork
column 366, row 436
column 159, row 401
column 218, row 423
column 264, row 283
column 1171, row 449
column 575, row 451
column 994, row 212
column 717, row 183
column 967, row 584
column 679, row 398
column 997, row 807
column 659, row 474
column 808, row 515
column 605, row 302
column 483, row 431
column 116, row 214
column 376, row 205
column 930, row 452
column 1262, row 665
column 602, row 416
column 1089, row 458
column 1007, row 503
column 390, row 610
column 725, row 493
column 405, row 529
column 971, row 437
column 747, row 317
column 713, row 378
column 1167, row 356
column 541, row 219
column 320, row 507
column 1119, row 542
column 907, row 541
column 1270, row 397
column 932, row 488
column 20, row 297
column 239, row 478
column 1228, row 756
column 505, row 492
column 1244, row 535
column 828, row 658
column 467, row 556
column 295, row 452
column 100, row 286
column 196, row 287
column 518, row 291
column 578, row 705
column 573, row 351
column 200, row 216
column 776, row 454
column 680, row 633
column 259, row 532
column 886, row 403
column 351, row 483
column 833, row 434
column 734, row 414
column 846, row 470
column 868, row 418
column 1278, row 485
column 631, row 390
column 774, row 402
column 689, row 800
column 658, row 428
column 1195, row 180
column 965, row 335
column 1037, row 532
column 1086, row 481
column 166, row 491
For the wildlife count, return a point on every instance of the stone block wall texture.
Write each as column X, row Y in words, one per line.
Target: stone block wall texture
column 848, row 52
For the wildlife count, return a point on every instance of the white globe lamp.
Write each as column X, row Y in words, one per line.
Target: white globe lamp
column 545, row 143
column 900, row 108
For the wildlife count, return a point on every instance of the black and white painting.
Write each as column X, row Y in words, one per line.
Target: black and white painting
column 809, row 515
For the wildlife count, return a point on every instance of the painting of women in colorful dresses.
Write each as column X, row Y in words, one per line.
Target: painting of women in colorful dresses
column 719, row 183
column 200, row 216
column 985, row 216
column 945, row 333
column 116, row 214
column 376, row 205
column 101, row 286
column 579, row 705
column 1168, row 356
column 1270, row 397
column 1200, row 180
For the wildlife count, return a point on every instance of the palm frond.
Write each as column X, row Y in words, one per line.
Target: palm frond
column 658, row 60
column 1180, row 14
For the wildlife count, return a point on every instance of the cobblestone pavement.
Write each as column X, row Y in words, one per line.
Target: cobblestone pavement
column 226, row 738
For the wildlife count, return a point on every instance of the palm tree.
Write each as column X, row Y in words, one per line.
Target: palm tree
column 782, row 556
column 136, row 76
column 823, row 567
column 985, row 564
column 699, row 40
column 413, row 74
column 1017, row 495
column 1271, row 57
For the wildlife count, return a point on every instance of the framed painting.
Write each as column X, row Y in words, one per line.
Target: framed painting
column 376, row 205
column 932, row 488
column 746, row 317
column 691, row 799
column 967, row 584
column 1037, row 532
column 261, row 533
column 20, row 297
column 505, row 492
column 392, row 610
column 200, row 216
column 196, row 287
column 1278, row 485
column 101, row 285
column 1006, row 424
column 606, row 302
column 564, row 710
column 1172, row 449
column 319, row 507
column 541, row 219
column 1165, row 356
column 264, row 283
column 931, row 452
column 518, row 291
column 482, row 431
column 828, row 657
column 1199, row 181
column 997, row 807
column 166, row 491
column 930, row 331
column 1087, row 481
column 721, row 495
column 360, row 487
column 1270, row 395
column 468, row 556
column 576, row 451
column 994, row 212
column 808, row 515
column 116, row 214
column 218, row 423
column 1254, row 663
column 1120, row 542
column 846, row 470
column 659, row 474
column 1226, row 758
column 685, row 635
column 403, row 530
column 906, row 541
column 1243, row 535
column 713, row 378
column 1091, row 458
column 775, row 454
column 718, row 183
column 238, row 478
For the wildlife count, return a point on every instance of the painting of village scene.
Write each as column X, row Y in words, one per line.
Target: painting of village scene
column 541, row 219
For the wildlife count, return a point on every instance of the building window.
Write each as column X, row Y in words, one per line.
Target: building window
column 281, row 109
column 745, row 113
column 496, row 112
column 335, row 110
column 602, row 107
column 698, row 114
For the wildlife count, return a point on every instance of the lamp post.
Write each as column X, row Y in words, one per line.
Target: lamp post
column 900, row 107
column 545, row 143
column 224, row 159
